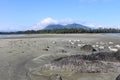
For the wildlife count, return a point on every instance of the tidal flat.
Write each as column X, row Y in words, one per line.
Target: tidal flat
column 34, row 56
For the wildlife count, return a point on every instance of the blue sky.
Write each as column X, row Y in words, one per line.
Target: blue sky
column 34, row 14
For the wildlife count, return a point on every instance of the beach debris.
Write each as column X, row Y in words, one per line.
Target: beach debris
column 87, row 48
column 78, row 40
column 101, row 47
column 74, row 40
column 72, row 43
column 111, row 43
column 58, row 77
column 79, row 45
column 54, row 42
column 94, row 46
column 114, row 49
column 97, row 45
column 69, row 40
column 102, row 43
column 118, row 46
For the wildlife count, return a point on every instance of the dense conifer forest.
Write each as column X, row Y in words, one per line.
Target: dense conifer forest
column 66, row 30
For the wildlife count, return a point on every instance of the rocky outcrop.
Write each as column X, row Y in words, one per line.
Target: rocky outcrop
column 95, row 63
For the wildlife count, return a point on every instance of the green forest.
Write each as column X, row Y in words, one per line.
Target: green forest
column 66, row 30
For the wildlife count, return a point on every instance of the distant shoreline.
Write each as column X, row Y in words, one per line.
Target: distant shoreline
column 11, row 35
column 112, row 34
column 19, row 36
column 25, row 35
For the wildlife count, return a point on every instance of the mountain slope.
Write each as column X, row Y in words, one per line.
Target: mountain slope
column 54, row 26
column 74, row 25
column 58, row 26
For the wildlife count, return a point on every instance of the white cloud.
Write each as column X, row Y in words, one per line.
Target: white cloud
column 92, row 25
column 113, row 26
column 47, row 21
column 40, row 25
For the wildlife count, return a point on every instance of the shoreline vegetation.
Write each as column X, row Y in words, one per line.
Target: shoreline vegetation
column 65, row 31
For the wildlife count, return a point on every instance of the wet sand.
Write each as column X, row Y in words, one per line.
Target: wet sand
column 20, row 57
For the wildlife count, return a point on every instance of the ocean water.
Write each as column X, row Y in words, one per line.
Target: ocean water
column 113, row 34
column 20, row 35
column 11, row 35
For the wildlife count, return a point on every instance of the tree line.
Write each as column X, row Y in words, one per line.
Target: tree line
column 66, row 30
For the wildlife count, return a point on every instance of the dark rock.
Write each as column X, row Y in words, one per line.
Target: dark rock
column 117, row 55
column 58, row 77
column 118, row 77
column 88, row 48
column 45, row 49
